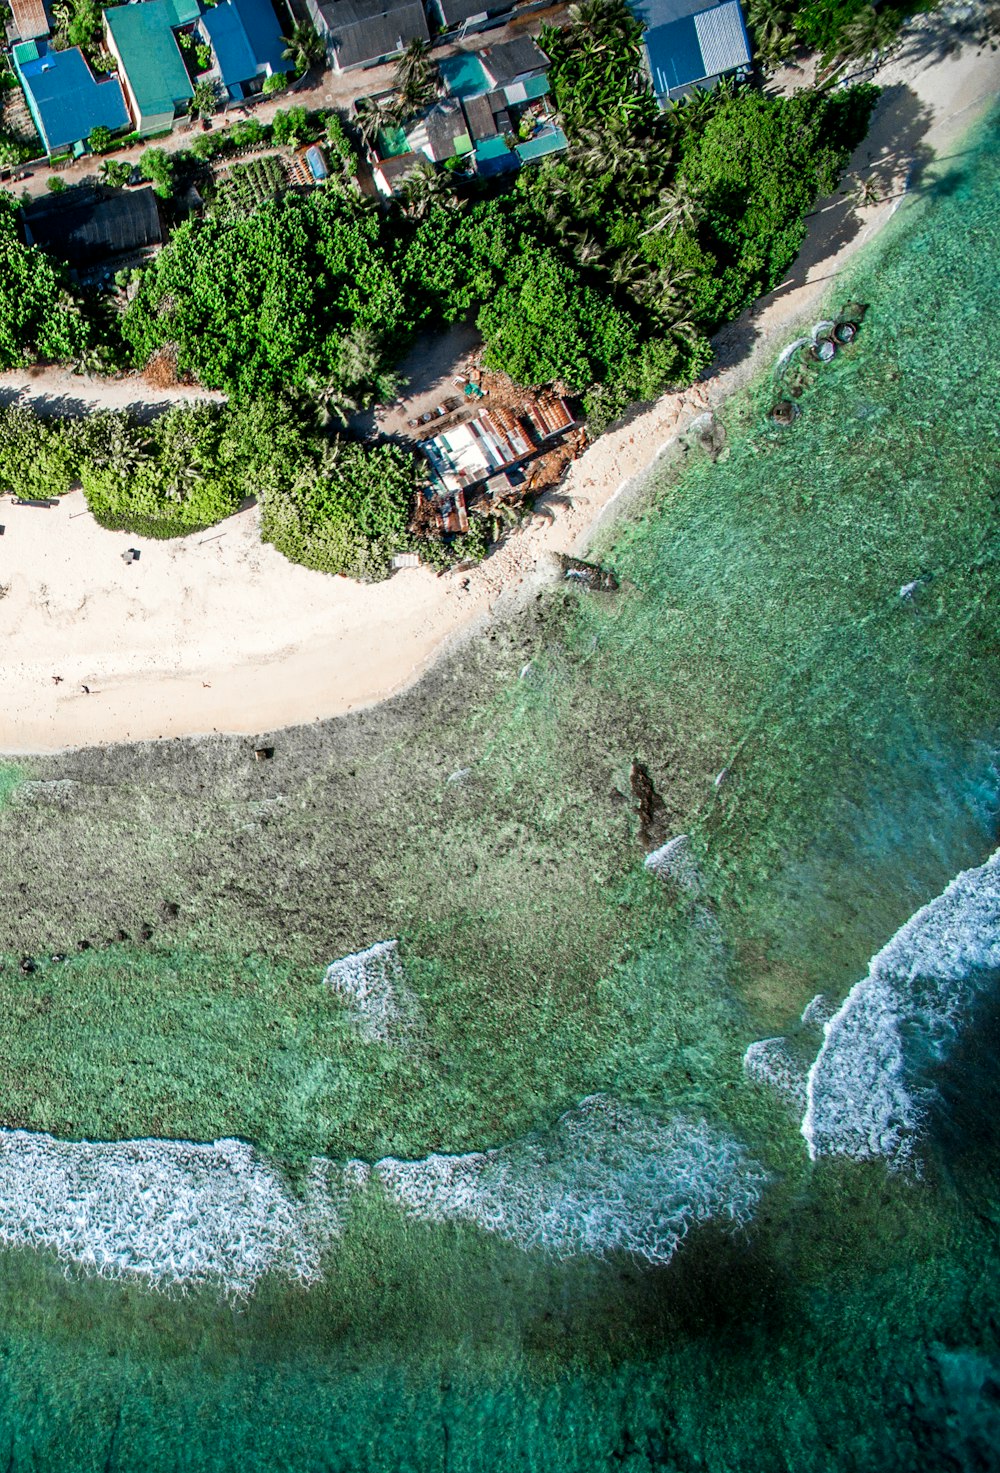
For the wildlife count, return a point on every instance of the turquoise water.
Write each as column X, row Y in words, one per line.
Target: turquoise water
column 463, row 75
column 760, row 631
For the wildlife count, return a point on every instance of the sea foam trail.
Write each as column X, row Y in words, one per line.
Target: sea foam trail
column 372, row 984
column 608, row 1178
column 166, row 1212
column 859, row 1098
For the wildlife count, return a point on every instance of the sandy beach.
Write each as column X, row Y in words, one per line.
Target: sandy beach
column 218, row 632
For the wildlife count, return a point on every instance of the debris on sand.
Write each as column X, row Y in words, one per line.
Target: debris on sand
column 588, row 575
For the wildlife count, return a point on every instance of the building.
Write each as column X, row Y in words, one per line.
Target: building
column 496, row 116
column 141, row 37
column 87, row 227
column 690, row 44
column 30, row 20
column 470, row 15
column 246, row 43
column 360, row 33
column 471, row 452
column 65, row 99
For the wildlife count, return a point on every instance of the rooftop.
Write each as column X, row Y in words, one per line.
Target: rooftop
column 364, row 30
column 510, row 60
column 144, row 38
column 246, row 39
column 64, row 97
column 688, row 42
column 30, row 19
column 84, row 226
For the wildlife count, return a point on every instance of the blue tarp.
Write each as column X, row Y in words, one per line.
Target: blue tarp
column 64, row 97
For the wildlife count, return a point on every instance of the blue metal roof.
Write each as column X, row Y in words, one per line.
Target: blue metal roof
column 688, row 41
column 694, row 47
column 246, row 39
column 64, row 97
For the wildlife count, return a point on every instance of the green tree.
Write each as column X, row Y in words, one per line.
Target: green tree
column 546, row 325
column 100, row 139
column 304, row 48
column 157, row 166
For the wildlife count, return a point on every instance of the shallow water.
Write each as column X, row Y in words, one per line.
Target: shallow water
column 760, row 632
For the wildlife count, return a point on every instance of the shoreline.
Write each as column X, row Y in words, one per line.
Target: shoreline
column 217, row 633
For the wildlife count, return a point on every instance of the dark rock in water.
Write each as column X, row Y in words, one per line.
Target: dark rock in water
column 648, row 803
column 28, row 965
column 589, row 575
column 784, row 412
column 171, row 910
column 845, row 332
column 145, row 933
column 83, row 945
column 58, row 956
column 121, row 935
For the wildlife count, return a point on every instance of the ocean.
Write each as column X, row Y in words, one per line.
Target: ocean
column 509, row 1150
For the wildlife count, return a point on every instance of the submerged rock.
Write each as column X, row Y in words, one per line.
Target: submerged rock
column 589, row 575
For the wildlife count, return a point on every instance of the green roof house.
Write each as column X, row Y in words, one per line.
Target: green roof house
column 153, row 75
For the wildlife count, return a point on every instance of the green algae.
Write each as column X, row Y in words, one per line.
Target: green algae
column 760, row 630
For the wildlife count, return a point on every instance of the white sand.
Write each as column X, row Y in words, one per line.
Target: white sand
column 219, row 633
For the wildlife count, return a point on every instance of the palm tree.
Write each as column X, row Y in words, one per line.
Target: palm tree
column 421, row 188
column 417, row 78
column 115, row 173
column 872, row 33
column 204, row 99
column 378, row 115
column 676, row 209
column 304, row 48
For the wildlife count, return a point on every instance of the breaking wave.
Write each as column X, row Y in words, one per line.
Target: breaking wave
column 860, row 1099
column 166, row 1212
column 608, row 1178
column 372, row 983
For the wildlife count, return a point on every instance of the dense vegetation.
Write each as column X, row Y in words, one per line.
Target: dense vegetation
column 331, row 504
column 602, row 271
column 39, row 318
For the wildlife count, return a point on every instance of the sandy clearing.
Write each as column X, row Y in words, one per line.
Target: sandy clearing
column 219, row 633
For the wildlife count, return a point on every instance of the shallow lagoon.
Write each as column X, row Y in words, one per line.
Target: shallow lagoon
column 760, row 630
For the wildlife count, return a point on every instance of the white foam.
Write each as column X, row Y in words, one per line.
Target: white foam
column 860, row 1101
column 607, row 1179
column 674, row 862
column 769, row 1061
column 373, row 985
column 164, row 1212
column 818, row 1010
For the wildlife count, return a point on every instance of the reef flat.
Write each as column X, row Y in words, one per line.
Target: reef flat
column 801, row 657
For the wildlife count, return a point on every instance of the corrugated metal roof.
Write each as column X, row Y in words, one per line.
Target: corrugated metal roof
column 30, row 20
column 723, row 39
column 365, row 30
column 144, row 39
column 84, row 226
column 64, row 97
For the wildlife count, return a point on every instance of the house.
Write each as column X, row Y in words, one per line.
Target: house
column 470, row 15
column 246, row 43
column 475, row 450
column 86, row 227
column 507, row 64
column 30, row 20
column 360, row 33
column 141, row 37
column 495, row 115
column 65, row 99
column 690, row 44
